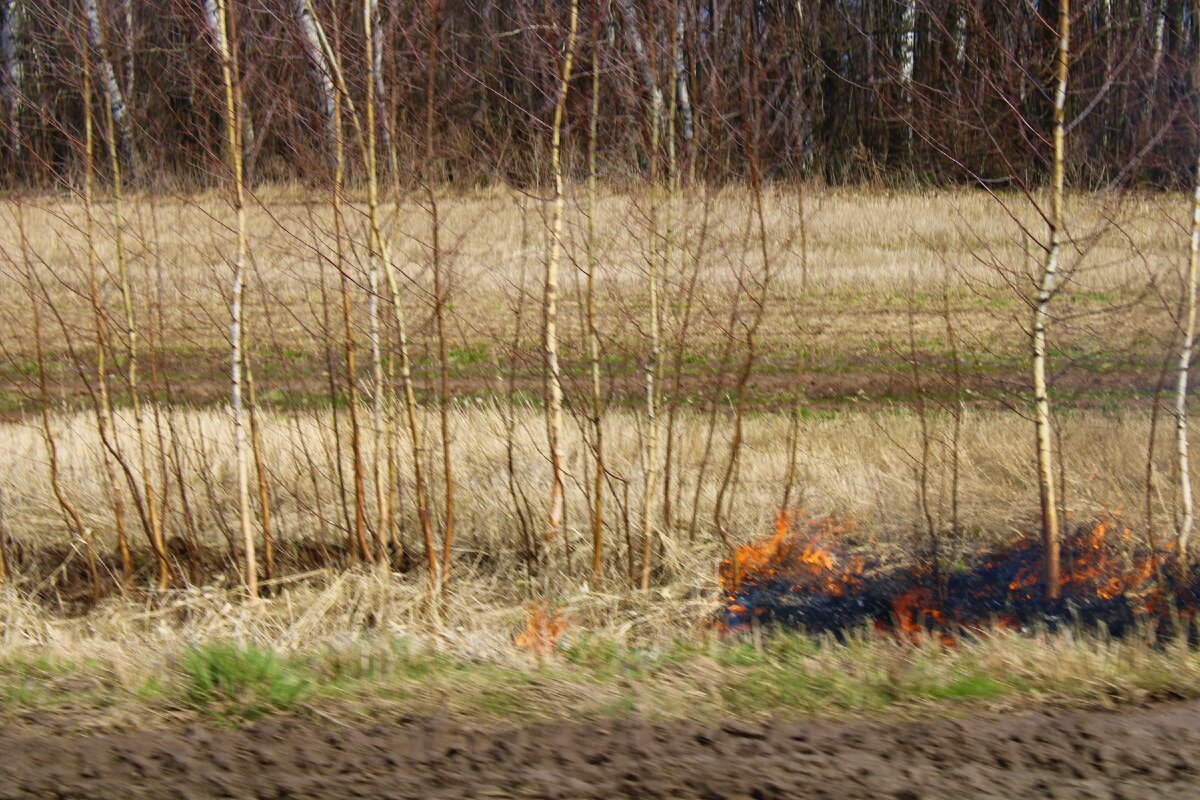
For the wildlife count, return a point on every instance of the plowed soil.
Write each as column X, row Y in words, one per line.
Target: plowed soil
column 1134, row 754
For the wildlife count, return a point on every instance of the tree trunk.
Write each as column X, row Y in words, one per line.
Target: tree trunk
column 112, row 88
column 10, row 80
column 554, row 379
column 103, row 401
column 218, row 18
column 642, row 58
column 310, row 40
column 593, row 331
column 381, row 97
column 1185, row 361
column 682, row 94
column 1046, row 287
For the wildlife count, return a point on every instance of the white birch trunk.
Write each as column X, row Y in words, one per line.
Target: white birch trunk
column 645, row 68
column 108, row 76
column 310, row 39
column 682, row 94
column 908, row 58
column 908, row 45
column 1187, row 515
column 10, row 81
column 960, row 38
column 381, row 96
column 1046, row 286
column 1158, row 24
column 554, row 406
column 130, row 46
column 215, row 11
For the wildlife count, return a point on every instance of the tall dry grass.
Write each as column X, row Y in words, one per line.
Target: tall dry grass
column 859, row 465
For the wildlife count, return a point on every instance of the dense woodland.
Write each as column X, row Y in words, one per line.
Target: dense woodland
column 840, row 90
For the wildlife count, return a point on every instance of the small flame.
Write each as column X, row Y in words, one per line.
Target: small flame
column 801, row 557
column 543, row 630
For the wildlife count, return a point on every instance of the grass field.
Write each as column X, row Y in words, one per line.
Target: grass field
column 844, row 282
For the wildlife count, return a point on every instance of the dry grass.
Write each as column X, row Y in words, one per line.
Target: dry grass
column 869, row 256
column 861, row 465
column 872, row 260
column 354, row 647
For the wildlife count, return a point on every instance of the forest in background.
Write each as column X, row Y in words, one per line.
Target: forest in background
column 845, row 91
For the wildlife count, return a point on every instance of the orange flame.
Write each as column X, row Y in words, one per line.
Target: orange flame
column 543, row 630
column 802, row 557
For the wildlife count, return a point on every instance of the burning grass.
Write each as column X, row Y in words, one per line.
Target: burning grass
column 359, row 646
column 805, row 576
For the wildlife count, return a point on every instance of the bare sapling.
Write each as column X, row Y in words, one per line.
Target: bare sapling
column 1047, row 284
column 1186, row 510
column 651, row 367
column 154, row 517
column 593, row 332
column 67, row 509
column 507, row 389
column 260, row 473
column 379, row 244
column 550, row 299
column 439, row 289
column 102, row 404
column 223, row 32
column 358, row 534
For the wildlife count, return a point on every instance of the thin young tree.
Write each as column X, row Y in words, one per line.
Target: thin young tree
column 113, row 93
column 153, row 515
column 1047, row 284
column 103, row 399
column 71, row 518
column 553, row 369
column 221, row 22
column 358, row 534
column 439, row 285
column 1187, row 513
column 379, row 243
column 593, row 332
column 652, row 367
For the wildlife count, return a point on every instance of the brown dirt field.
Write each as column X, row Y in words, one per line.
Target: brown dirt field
column 1143, row 753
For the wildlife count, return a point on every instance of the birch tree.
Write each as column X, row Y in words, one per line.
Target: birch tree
column 113, row 92
column 310, row 41
column 379, row 245
column 553, row 369
column 1187, row 514
column 218, row 14
column 908, row 55
column 1047, row 284
column 439, row 286
column 593, row 332
column 10, row 80
column 682, row 94
column 642, row 59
